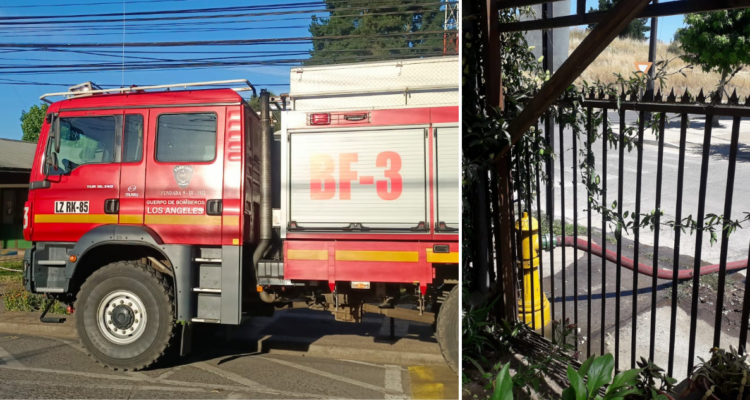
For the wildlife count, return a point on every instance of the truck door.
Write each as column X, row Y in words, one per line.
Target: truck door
column 84, row 186
column 184, row 174
column 133, row 169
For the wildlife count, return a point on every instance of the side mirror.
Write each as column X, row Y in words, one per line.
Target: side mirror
column 56, row 130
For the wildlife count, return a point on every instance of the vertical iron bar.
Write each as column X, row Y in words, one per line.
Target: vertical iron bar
column 562, row 211
column 699, row 240
column 550, row 127
column 588, row 202
column 657, row 217
column 619, row 239
column 549, row 65
column 519, row 263
column 677, row 231
column 539, row 238
column 637, row 234
column 745, row 316
column 495, row 243
column 575, row 230
column 480, row 219
column 724, row 237
column 513, row 249
column 605, row 118
column 581, row 7
column 529, row 208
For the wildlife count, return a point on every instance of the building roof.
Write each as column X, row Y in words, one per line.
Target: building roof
column 16, row 155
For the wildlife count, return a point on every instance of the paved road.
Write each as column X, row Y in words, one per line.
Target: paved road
column 306, row 354
column 33, row 367
column 717, row 174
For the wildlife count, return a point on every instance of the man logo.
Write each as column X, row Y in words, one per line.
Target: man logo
column 132, row 188
column 182, row 175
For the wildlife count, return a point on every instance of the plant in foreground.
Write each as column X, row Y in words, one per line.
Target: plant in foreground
column 724, row 375
column 649, row 375
column 598, row 372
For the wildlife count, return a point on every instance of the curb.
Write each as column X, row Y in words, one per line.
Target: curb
column 294, row 346
column 653, row 142
column 59, row 331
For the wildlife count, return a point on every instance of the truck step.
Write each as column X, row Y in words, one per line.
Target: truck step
column 207, row 260
column 206, row 290
column 206, row 320
column 50, row 289
column 52, row 262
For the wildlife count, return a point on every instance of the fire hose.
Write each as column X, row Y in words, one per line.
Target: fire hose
column 581, row 244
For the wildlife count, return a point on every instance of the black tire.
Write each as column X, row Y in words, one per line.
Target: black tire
column 157, row 298
column 447, row 329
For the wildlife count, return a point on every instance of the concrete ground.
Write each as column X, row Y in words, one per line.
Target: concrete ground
column 34, row 367
column 591, row 334
column 304, row 355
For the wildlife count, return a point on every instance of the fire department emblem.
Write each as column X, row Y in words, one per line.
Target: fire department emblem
column 182, row 175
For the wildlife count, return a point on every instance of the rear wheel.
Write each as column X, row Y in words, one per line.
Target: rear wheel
column 125, row 315
column 446, row 329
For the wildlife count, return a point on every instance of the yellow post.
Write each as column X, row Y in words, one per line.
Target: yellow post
column 528, row 245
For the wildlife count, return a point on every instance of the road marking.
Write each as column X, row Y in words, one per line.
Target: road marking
column 393, row 382
column 330, row 376
column 7, row 359
column 74, row 345
column 136, row 374
column 226, row 374
column 366, row 363
column 204, row 386
column 169, row 373
column 255, row 386
column 423, row 384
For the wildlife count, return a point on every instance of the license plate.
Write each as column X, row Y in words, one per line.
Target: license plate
column 71, row 207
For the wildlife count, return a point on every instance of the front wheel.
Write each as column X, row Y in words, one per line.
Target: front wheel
column 446, row 329
column 125, row 315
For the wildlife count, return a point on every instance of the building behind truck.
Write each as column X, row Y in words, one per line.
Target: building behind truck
column 150, row 206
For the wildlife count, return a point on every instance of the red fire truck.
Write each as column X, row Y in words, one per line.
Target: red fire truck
column 152, row 209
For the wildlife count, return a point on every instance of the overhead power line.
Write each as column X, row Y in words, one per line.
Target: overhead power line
column 235, row 42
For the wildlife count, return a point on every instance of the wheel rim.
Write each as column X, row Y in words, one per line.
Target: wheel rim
column 121, row 317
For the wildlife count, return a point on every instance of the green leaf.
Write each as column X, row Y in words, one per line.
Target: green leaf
column 576, row 382
column 569, row 394
column 503, row 385
column 584, row 370
column 624, row 379
column 600, row 372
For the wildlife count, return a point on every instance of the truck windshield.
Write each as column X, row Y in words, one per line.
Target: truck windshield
column 85, row 140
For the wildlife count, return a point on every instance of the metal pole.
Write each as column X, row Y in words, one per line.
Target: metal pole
column 652, row 54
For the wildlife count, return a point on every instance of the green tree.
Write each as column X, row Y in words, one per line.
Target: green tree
column 31, row 122
column 365, row 21
column 717, row 41
column 636, row 29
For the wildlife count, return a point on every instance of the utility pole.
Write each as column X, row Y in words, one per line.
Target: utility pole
column 450, row 23
column 652, row 53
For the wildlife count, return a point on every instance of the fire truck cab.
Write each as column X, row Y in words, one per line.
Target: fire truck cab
column 150, row 207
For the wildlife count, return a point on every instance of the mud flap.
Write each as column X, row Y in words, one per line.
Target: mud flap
column 186, row 339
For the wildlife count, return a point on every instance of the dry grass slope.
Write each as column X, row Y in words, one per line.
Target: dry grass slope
column 622, row 53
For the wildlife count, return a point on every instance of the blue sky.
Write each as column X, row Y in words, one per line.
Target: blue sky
column 16, row 98
column 667, row 25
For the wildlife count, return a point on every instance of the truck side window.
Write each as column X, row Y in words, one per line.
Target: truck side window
column 85, row 140
column 132, row 150
column 186, row 137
